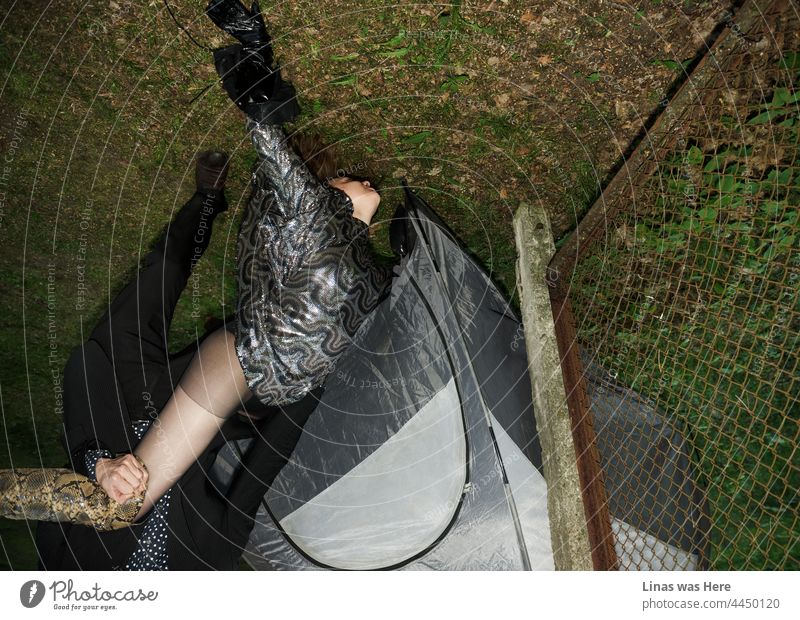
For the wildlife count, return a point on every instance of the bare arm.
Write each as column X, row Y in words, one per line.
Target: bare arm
column 211, row 389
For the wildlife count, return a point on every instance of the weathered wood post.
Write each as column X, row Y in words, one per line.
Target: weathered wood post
column 569, row 531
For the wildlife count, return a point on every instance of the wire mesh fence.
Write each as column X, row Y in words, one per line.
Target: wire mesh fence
column 683, row 283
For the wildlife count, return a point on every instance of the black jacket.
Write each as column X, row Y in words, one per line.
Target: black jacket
column 307, row 277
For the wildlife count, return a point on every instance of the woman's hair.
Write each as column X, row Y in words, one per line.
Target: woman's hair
column 323, row 160
column 318, row 156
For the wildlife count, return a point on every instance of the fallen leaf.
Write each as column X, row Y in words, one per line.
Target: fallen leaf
column 502, row 100
column 624, row 109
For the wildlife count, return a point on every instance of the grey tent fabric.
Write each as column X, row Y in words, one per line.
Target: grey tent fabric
column 422, row 453
column 653, row 499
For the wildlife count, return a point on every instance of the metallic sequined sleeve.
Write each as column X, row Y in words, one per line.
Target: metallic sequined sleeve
column 281, row 170
column 306, row 277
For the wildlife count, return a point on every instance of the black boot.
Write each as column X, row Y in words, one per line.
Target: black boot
column 211, row 171
column 188, row 234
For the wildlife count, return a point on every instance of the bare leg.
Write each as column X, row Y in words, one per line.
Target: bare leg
column 211, row 389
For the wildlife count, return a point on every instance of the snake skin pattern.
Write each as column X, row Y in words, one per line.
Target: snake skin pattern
column 62, row 495
column 306, row 278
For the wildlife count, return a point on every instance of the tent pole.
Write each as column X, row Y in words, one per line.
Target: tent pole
column 523, row 548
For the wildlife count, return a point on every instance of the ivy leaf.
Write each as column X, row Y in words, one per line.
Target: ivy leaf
column 760, row 119
column 715, row 162
column 708, row 214
column 783, row 97
column 791, row 60
column 694, row 156
column 417, row 138
column 726, row 183
column 779, row 97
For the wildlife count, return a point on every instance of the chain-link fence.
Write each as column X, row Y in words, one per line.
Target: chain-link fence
column 683, row 285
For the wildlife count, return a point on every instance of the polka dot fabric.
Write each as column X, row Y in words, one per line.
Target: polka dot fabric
column 152, row 551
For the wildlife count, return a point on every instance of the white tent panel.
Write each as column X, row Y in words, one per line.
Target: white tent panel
column 640, row 549
column 529, row 490
column 397, row 501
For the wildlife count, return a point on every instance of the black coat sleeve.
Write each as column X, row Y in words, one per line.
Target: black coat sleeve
column 95, row 416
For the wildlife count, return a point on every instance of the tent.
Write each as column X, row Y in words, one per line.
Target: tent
column 422, row 453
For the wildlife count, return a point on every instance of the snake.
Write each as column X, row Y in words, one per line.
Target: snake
column 58, row 494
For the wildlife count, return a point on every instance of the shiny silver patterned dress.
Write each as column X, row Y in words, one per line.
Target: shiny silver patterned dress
column 306, row 276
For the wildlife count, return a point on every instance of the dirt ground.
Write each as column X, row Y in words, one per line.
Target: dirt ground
column 482, row 104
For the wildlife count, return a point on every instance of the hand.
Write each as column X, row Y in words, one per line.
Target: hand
column 121, row 478
column 259, row 92
column 246, row 68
